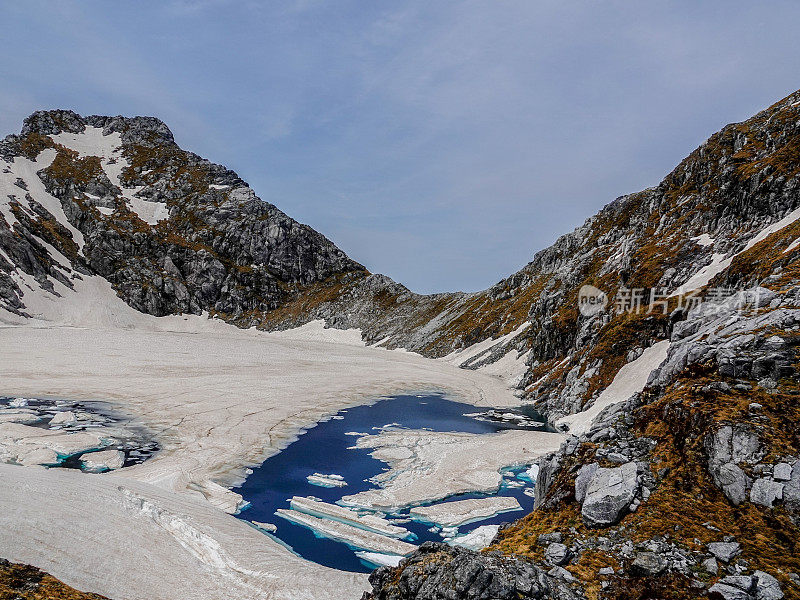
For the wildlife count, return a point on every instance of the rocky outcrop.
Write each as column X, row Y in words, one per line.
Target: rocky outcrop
column 23, row 582
column 609, row 494
column 217, row 248
column 440, row 572
column 672, row 484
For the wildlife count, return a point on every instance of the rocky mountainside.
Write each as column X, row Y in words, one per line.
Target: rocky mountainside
column 172, row 233
column 681, row 476
column 662, row 334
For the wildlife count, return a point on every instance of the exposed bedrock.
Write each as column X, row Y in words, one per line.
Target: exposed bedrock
column 441, row 572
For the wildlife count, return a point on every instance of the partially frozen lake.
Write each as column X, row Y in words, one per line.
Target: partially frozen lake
column 323, row 460
column 84, row 435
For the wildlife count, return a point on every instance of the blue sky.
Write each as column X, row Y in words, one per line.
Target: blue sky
column 441, row 143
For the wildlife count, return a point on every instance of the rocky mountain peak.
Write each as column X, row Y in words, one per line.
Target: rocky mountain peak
column 148, row 131
column 116, row 198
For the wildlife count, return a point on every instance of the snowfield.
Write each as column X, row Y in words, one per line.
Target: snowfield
column 219, row 400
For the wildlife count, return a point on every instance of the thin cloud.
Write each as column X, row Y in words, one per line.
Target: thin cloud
column 442, row 143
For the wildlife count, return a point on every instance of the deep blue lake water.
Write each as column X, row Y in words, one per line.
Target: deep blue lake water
column 326, row 449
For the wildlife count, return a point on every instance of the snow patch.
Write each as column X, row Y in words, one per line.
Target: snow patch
column 510, row 367
column 630, row 380
column 150, row 212
column 792, row 246
column 92, row 142
column 316, row 331
column 720, row 262
column 703, row 239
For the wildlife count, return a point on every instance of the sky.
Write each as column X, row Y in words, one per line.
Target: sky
column 441, row 143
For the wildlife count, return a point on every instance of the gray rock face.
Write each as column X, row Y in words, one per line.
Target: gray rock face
column 648, row 564
column 609, row 494
column 440, row 572
column 766, row 491
column 727, row 447
column 725, row 551
column 583, row 479
column 548, row 466
column 759, row 586
column 556, row 554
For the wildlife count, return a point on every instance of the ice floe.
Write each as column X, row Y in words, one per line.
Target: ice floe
column 345, row 515
column 349, row 534
column 460, row 512
column 66, row 417
column 105, row 460
column 23, row 416
column 425, row 466
column 379, row 560
column 476, row 539
column 327, row 481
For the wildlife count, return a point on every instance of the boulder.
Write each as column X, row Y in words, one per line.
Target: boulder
column 791, row 490
column 725, row 551
column 648, row 564
column 582, row 480
column 547, row 538
column 733, row 482
column 730, row 592
column 710, row 565
column 767, row 587
column 557, row 555
column 562, row 574
column 766, row 491
column 609, row 494
column 726, row 449
column 782, row 472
